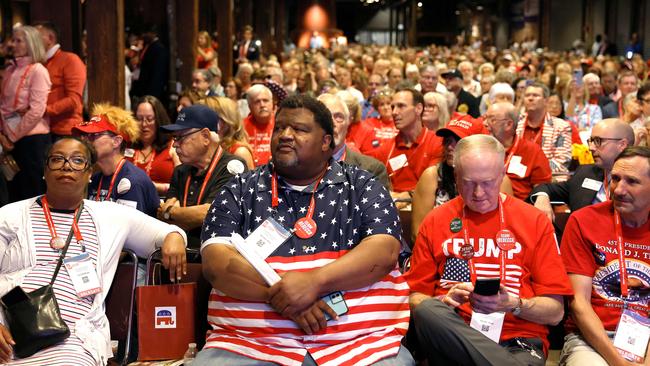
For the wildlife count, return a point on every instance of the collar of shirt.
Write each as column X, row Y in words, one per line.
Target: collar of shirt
column 50, row 53
column 333, row 175
column 399, row 141
column 337, row 155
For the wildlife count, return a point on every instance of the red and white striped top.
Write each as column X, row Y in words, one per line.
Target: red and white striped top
column 372, row 329
column 73, row 308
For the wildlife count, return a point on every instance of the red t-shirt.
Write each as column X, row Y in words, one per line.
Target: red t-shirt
column 160, row 169
column 359, row 134
column 590, row 248
column 528, row 167
column 426, row 151
column 534, row 267
column 383, row 132
column 260, row 139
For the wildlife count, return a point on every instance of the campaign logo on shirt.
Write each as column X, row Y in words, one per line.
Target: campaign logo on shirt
column 607, row 281
column 165, row 317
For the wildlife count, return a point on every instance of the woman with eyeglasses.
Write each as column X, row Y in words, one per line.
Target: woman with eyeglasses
column 232, row 135
column 153, row 152
column 578, row 110
column 109, row 131
column 435, row 112
column 24, row 130
column 33, row 233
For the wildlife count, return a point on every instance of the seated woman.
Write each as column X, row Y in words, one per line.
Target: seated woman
column 383, row 127
column 153, row 153
column 232, row 135
column 33, row 231
column 436, row 111
column 437, row 184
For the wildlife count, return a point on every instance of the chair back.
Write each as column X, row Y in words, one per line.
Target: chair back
column 120, row 304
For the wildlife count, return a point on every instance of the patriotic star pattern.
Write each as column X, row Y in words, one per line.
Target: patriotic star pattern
column 350, row 206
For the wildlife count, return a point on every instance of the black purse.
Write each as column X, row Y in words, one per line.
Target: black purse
column 34, row 318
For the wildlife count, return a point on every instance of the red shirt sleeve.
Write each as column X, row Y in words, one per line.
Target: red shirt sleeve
column 576, row 253
column 423, row 273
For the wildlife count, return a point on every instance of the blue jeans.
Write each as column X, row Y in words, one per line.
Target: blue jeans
column 217, row 356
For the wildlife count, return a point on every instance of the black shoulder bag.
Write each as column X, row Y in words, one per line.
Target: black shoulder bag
column 34, row 318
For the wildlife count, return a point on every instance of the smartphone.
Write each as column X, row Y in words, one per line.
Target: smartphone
column 15, row 296
column 335, row 301
column 487, row 286
column 577, row 76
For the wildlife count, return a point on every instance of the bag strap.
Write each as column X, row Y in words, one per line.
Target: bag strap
column 67, row 243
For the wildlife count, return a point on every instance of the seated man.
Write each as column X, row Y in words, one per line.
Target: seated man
column 414, row 149
column 259, row 123
column 341, row 118
column 481, row 235
column 350, row 245
column 526, row 165
column 589, row 183
column 552, row 134
column 602, row 291
column 205, row 168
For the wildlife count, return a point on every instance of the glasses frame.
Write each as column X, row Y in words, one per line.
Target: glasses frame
column 598, row 141
column 181, row 138
column 67, row 161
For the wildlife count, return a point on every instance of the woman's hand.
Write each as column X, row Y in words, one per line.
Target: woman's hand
column 7, row 145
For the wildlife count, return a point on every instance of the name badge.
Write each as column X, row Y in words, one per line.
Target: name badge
column 398, row 162
column 12, row 120
column 83, row 275
column 632, row 334
column 267, row 237
column 488, row 324
column 516, row 167
column 592, row 184
column 129, row 153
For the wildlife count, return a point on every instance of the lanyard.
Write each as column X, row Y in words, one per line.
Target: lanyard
column 20, row 84
column 502, row 252
column 392, row 148
column 213, row 164
column 57, row 242
column 513, row 150
column 305, row 227
column 620, row 108
column 621, row 253
column 110, row 186
column 147, row 169
column 606, row 186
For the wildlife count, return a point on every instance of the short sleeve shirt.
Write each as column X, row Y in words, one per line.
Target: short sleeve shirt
column 533, row 268
column 590, row 248
column 260, row 139
column 132, row 188
column 528, row 167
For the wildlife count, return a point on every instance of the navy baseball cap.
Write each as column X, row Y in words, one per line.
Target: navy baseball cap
column 453, row 73
column 194, row 116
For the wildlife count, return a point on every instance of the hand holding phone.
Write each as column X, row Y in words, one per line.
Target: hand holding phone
column 335, row 301
column 487, row 286
column 577, row 76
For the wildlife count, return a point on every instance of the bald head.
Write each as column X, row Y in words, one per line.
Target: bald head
column 501, row 121
column 608, row 139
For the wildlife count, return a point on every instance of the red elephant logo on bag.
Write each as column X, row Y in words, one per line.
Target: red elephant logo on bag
column 165, row 317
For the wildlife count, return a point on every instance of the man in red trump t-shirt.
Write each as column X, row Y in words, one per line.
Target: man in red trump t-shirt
column 590, row 250
column 458, row 243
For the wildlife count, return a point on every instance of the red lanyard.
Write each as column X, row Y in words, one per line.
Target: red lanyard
column 502, row 251
column 513, row 150
column 20, row 84
column 606, row 187
column 213, row 164
column 620, row 108
column 621, row 253
column 56, row 242
column 305, row 227
column 110, row 186
column 147, row 169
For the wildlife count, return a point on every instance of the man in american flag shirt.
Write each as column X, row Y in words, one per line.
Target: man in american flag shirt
column 484, row 234
column 354, row 250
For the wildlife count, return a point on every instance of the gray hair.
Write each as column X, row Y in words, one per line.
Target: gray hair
column 327, row 98
column 591, row 76
column 256, row 90
column 483, row 143
column 207, row 75
column 501, row 88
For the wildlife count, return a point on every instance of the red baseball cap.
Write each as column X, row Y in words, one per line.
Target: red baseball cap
column 96, row 124
column 462, row 127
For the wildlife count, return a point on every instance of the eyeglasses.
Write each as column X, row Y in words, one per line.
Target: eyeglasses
column 180, row 138
column 96, row 135
column 76, row 163
column 597, row 141
column 147, row 119
column 338, row 117
column 430, row 106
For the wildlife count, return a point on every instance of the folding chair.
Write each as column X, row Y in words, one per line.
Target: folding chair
column 120, row 303
column 157, row 274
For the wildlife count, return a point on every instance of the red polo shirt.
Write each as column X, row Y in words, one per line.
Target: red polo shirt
column 259, row 137
column 359, row 134
column 383, row 132
column 528, row 167
column 405, row 164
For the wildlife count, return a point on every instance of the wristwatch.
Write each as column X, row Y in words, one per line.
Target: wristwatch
column 167, row 215
column 517, row 309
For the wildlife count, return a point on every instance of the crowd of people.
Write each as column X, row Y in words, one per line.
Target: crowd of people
column 313, row 155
